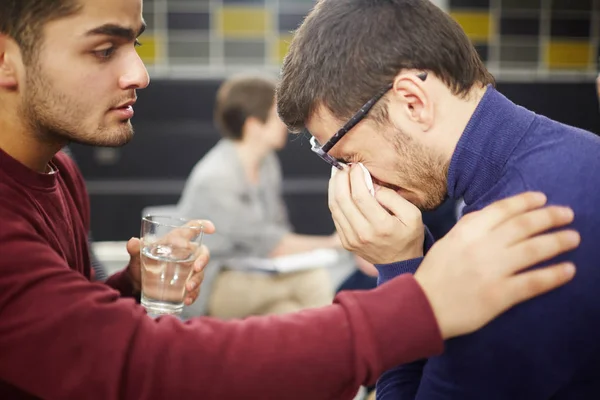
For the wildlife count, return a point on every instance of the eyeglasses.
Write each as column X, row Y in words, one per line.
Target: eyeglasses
column 322, row 151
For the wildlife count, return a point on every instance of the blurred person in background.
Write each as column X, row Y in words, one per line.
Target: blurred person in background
column 419, row 110
column 65, row 337
column 237, row 184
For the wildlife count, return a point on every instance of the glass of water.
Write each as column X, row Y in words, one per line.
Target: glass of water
column 169, row 248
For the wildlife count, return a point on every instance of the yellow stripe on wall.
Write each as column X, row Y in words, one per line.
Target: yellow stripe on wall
column 568, row 54
column 475, row 24
column 149, row 50
column 243, row 22
column 282, row 47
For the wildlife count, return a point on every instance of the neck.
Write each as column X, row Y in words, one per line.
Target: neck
column 251, row 158
column 456, row 118
column 23, row 144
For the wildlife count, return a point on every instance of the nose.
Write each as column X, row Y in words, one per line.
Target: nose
column 136, row 75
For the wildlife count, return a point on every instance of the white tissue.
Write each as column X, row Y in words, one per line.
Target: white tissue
column 367, row 175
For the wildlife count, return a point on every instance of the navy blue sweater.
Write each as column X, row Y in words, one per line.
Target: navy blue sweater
column 548, row 347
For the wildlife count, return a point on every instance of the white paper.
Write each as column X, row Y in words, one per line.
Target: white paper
column 320, row 258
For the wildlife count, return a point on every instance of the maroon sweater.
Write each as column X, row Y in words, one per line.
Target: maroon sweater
column 64, row 337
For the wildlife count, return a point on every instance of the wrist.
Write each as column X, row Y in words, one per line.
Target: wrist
column 435, row 308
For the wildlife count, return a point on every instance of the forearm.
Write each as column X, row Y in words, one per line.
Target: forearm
column 292, row 243
column 320, row 354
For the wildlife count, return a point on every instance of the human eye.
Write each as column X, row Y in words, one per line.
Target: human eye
column 106, row 53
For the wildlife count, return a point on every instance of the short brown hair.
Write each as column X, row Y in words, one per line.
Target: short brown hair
column 347, row 50
column 24, row 20
column 240, row 98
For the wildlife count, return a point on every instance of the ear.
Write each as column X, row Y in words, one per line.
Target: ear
column 9, row 58
column 411, row 93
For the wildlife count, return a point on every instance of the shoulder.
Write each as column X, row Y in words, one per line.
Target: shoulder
column 18, row 212
column 218, row 167
column 552, row 147
column 272, row 166
column 560, row 160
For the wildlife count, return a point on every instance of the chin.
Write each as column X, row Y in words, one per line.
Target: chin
column 115, row 137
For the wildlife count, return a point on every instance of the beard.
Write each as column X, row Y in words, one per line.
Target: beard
column 55, row 117
column 418, row 168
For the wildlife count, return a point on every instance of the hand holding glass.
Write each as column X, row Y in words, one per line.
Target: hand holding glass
column 169, row 248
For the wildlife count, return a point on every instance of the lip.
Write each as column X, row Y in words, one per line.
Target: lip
column 125, row 110
column 124, row 113
column 130, row 103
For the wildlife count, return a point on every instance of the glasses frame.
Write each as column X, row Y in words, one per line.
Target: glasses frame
column 322, row 151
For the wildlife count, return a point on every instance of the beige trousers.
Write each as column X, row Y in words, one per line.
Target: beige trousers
column 239, row 294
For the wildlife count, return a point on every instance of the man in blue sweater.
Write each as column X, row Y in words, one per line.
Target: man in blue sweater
column 419, row 110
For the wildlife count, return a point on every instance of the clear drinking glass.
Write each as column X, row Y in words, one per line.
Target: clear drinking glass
column 170, row 246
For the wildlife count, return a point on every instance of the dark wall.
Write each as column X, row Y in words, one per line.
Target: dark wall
column 173, row 124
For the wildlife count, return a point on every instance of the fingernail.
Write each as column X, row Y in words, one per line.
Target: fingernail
column 191, row 285
column 573, row 237
column 567, row 213
column 200, row 264
column 569, row 270
column 539, row 197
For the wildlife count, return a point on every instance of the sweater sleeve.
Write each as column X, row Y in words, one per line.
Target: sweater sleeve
column 65, row 337
column 402, row 382
column 390, row 271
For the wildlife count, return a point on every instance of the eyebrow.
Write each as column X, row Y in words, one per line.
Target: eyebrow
column 117, row 31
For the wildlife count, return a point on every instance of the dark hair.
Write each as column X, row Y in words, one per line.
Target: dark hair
column 240, row 98
column 346, row 51
column 24, row 20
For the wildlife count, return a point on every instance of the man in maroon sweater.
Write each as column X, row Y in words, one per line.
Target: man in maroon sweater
column 69, row 73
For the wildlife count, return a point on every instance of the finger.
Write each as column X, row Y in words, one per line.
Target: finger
column 540, row 248
column 363, row 200
column 207, row 226
column 191, row 297
column 401, row 208
column 202, row 259
column 133, row 247
column 344, row 202
column 188, row 235
column 192, row 229
column 530, row 284
column 532, row 223
column 194, row 282
column 343, row 227
column 502, row 210
column 340, row 232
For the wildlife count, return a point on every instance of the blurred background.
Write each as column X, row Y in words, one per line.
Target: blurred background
column 544, row 54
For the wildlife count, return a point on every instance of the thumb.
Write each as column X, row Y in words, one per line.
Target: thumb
column 134, row 247
column 398, row 206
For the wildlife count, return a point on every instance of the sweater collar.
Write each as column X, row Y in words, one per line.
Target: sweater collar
column 493, row 132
